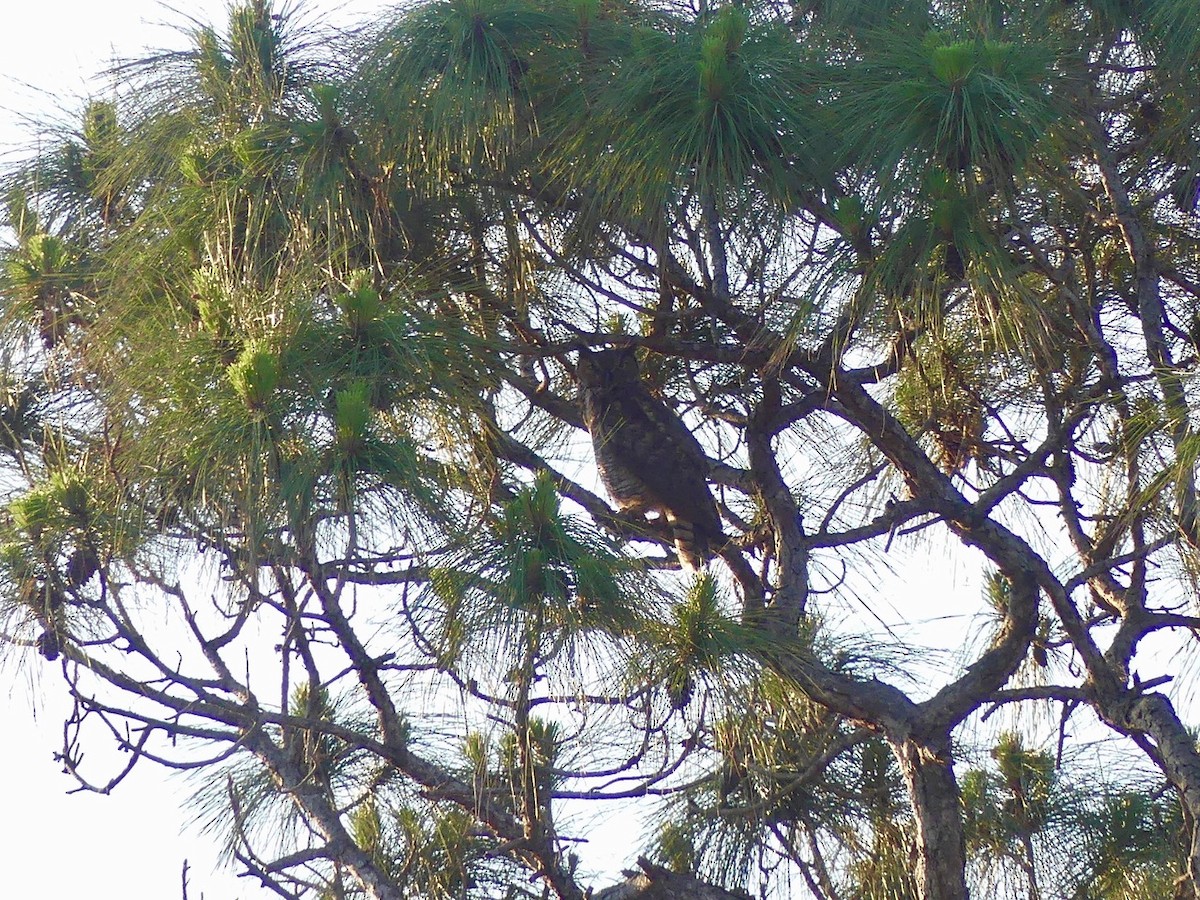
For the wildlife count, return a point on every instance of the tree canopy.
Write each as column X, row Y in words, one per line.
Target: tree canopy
column 301, row 494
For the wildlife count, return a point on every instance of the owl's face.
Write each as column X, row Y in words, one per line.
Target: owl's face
column 607, row 369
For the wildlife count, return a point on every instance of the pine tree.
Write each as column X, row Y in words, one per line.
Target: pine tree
column 302, row 495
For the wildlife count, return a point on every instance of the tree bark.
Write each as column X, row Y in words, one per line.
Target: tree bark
column 1178, row 757
column 933, row 793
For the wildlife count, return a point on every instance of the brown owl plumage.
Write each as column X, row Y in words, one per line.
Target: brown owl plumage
column 647, row 457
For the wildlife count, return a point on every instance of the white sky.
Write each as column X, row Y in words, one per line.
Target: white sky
column 127, row 844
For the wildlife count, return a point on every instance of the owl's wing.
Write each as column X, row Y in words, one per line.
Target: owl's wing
column 643, row 435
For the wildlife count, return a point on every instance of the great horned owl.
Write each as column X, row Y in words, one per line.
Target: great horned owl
column 648, row 459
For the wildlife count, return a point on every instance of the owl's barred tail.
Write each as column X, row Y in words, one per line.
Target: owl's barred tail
column 694, row 547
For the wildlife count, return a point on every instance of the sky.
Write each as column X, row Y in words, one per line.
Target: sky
column 128, row 844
